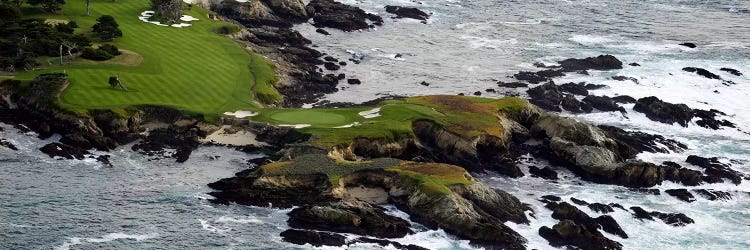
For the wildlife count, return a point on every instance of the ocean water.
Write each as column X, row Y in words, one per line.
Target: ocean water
column 466, row 46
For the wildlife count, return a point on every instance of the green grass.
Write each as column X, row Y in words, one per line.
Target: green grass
column 467, row 116
column 432, row 178
column 191, row 68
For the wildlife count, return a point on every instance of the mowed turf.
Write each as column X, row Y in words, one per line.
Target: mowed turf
column 191, row 68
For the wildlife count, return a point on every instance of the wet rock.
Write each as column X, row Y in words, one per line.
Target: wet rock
column 330, row 59
column 602, row 62
column 539, row 76
column 342, row 63
column 478, row 93
column 731, row 71
column 672, row 219
column 624, row 78
column 512, row 84
column 317, row 239
column 603, row 103
column 7, row 144
column 174, row 142
column 681, row 193
column 664, row 112
column 322, row 31
column 57, row 149
column 713, row 195
column 578, row 201
column 610, row 225
column 702, row 72
column 652, row 191
column 572, row 104
column 544, row 173
column 550, row 198
column 574, row 88
column 104, row 160
column 631, row 143
column 707, row 119
column 349, row 217
column 714, row 168
column 565, row 211
column 568, row 233
column 354, row 81
column 341, row 76
column 689, row 45
column 332, row 14
column 623, row 99
column 331, row 66
column 601, row 208
column 634, row 64
column 385, row 243
column 423, row 83
column 547, row 96
column 407, row 12
column 489, row 90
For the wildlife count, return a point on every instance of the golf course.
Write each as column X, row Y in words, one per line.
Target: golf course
column 192, row 68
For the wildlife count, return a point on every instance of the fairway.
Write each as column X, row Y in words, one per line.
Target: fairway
column 190, row 68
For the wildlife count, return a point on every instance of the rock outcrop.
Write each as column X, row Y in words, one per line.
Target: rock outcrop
column 407, row 12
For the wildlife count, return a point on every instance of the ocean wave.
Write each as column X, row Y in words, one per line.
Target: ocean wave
column 105, row 238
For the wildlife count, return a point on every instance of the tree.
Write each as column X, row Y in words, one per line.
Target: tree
column 169, row 11
column 107, row 28
column 88, row 7
column 48, row 5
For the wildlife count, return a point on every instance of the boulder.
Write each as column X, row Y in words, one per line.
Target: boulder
column 713, row 195
column 332, row 14
column 702, row 72
column 664, row 112
column 547, row 96
column 568, row 233
column 331, row 66
column 314, row 238
column 572, row 104
column 602, row 62
column 689, row 45
column 407, row 12
column 354, row 217
column 681, row 193
column 631, row 143
column 564, row 211
column 512, row 84
column 731, row 71
column 716, row 169
column 672, row 219
column 353, row 81
column 56, row 149
column 544, row 173
column 7, row 144
column 603, row 103
column 539, row 76
column 322, row 31
column 707, row 119
column 623, row 99
column 574, row 88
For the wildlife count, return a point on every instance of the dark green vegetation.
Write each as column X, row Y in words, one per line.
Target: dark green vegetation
column 191, row 68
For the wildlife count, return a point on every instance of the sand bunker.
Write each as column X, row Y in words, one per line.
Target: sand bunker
column 241, row 113
column 149, row 13
column 295, row 125
column 349, row 125
column 228, row 135
column 370, row 113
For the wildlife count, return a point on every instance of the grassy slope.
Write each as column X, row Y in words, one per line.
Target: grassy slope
column 190, row 68
column 469, row 116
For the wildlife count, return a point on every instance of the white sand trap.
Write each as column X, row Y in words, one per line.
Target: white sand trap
column 370, row 113
column 241, row 113
column 228, row 136
column 349, row 125
column 295, row 125
column 149, row 13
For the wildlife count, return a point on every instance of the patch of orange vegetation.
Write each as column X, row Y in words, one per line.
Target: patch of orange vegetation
column 437, row 170
column 468, row 116
column 274, row 167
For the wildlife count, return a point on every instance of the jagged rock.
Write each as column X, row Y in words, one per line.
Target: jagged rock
column 708, row 119
column 550, row 198
column 322, row 31
column 601, row 208
column 623, row 78
column 546, row 96
column 676, row 219
column 56, row 149
column 572, row 104
column 574, row 88
column 603, row 103
column 634, row 64
column 715, row 169
column 183, row 140
column 407, row 12
column 713, row 195
column 512, row 84
column 681, row 193
column 331, row 66
column 664, row 112
column 569, row 233
column 349, row 217
column 424, row 83
column 702, row 72
column 689, row 45
column 732, row 71
column 539, row 76
column 317, row 239
column 602, row 62
column 624, row 99
column 7, row 144
column 631, row 143
column 354, row 81
column 385, row 243
column 332, row 14
column 579, row 201
column 544, row 173
column 652, row 191
column 564, row 211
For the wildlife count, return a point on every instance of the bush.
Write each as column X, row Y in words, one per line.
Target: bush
column 96, row 54
column 9, row 12
column 110, row 49
column 48, row 5
column 228, row 29
column 107, row 28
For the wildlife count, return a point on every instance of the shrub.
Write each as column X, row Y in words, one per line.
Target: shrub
column 228, row 29
column 96, row 54
column 48, row 5
column 107, row 28
column 110, row 49
column 66, row 27
column 9, row 12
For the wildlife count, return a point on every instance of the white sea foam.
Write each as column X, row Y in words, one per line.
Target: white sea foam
column 105, row 238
